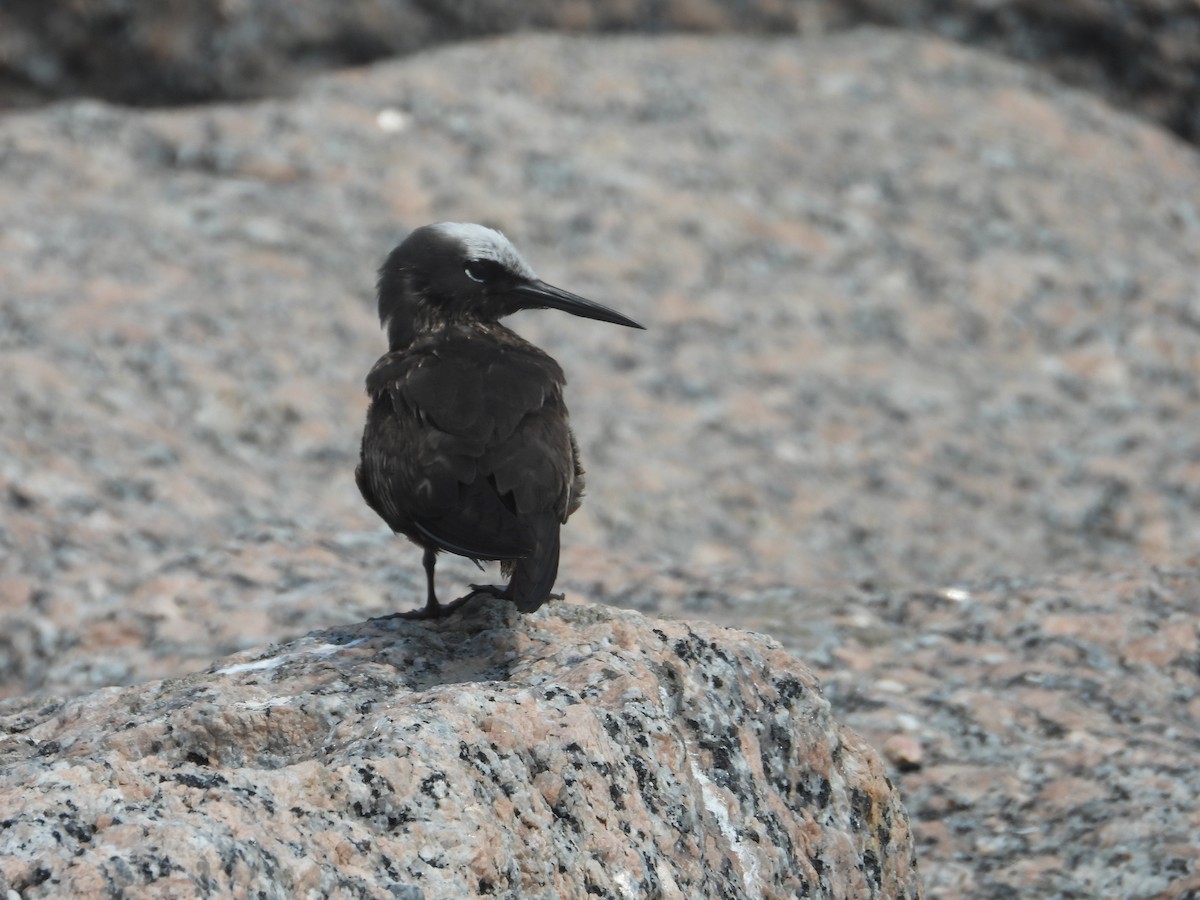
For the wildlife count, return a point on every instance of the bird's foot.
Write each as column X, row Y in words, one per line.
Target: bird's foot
column 501, row 591
column 425, row 612
column 446, row 609
column 431, row 610
column 490, row 590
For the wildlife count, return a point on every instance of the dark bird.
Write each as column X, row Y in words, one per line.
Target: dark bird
column 467, row 446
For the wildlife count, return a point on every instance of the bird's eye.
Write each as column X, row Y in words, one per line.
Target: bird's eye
column 476, row 271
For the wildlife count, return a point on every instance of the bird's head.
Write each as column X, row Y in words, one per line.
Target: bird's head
column 459, row 272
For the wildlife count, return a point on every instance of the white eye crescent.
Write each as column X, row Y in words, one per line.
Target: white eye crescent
column 475, row 272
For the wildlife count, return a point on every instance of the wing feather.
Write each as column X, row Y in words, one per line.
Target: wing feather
column 467, row 443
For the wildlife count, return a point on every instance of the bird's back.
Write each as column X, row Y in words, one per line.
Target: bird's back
column 468, row 448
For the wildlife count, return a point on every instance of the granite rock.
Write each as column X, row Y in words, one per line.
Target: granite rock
column 586, row 751
column 915, row 317
column 1143, row 56
column 1040, row 729
column 923, row 329
column 188, row 51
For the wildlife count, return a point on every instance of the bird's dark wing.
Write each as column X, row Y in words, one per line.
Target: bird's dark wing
column 467, row 445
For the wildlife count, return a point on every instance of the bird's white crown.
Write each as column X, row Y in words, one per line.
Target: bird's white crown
column 481, row 242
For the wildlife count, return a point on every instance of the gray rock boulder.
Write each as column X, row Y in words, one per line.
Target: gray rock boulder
column 580, row 752
column 915, row 317
column 923, row 326
column 187, row 51
column 1144, row 56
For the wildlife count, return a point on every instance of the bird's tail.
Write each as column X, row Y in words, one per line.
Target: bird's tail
column 533, row 575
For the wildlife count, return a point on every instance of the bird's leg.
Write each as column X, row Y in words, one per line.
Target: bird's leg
column 433, row 609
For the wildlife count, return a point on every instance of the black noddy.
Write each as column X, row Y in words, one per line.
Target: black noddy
column 467, row 446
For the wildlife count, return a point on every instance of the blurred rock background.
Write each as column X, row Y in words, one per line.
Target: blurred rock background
column 1142, row 56
column 918, row 395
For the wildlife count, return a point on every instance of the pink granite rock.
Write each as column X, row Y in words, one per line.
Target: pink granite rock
column 920, row 322
column 915, row 317
column 1142, row 55
column 584, row 751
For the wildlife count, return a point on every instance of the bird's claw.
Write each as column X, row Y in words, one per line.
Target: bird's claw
column 495, row 590
column 491, row 590
column 431, row 611
column 426, row 612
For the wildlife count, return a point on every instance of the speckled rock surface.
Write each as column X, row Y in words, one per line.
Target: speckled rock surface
column 189, row 51
column 921, row 323
column 914, row 317
column 583, row 752
column 1144, row 56
column 1041, row 730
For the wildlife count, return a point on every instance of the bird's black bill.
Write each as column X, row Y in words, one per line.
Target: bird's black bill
column 540, row 294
